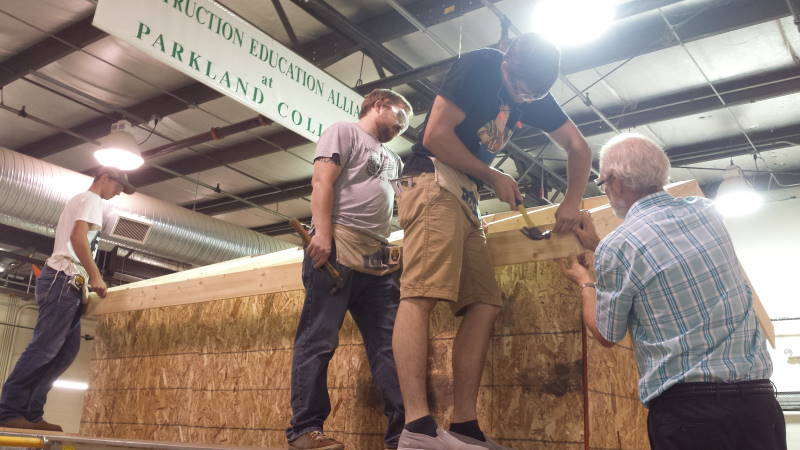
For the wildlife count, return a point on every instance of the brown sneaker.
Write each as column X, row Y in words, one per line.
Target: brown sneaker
column 315, row 440
column 19, row 422
column 47, row 426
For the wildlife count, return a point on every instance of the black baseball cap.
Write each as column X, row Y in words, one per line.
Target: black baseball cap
column 118, row 175
column 534, row 60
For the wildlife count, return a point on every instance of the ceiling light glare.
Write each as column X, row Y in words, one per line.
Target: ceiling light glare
column 74, row 385
column 735, row 196
column 120, row 149
column 569, row 23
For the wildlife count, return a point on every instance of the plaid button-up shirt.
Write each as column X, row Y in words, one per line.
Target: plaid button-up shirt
column 669, row 274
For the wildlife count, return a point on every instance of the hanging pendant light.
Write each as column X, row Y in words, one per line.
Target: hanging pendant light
column 735, row 196
column 120, row 149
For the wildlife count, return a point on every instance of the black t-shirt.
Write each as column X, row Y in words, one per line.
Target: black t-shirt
column 474, row 83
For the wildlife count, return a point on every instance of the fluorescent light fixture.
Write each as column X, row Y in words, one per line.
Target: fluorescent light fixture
column 570, row 23
column 120, row 149
column 735, row 196
column 75, row 385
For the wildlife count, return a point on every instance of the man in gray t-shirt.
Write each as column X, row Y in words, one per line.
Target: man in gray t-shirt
column 351, row 208
column 362, row 196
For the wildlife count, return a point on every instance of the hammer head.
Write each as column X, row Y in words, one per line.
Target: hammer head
column 338, row 284
column 535, row 233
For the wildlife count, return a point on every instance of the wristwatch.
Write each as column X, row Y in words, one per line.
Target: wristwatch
column 590, row 284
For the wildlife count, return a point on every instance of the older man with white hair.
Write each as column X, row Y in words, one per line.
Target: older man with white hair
column 670, row 275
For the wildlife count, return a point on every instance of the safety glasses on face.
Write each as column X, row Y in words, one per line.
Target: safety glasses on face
column 401, row 115
column 523, row 92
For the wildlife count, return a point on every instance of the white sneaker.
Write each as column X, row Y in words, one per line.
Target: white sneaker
column 490, row 444
column 443, row 441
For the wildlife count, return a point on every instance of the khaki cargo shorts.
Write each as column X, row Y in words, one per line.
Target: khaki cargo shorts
column 445, row 255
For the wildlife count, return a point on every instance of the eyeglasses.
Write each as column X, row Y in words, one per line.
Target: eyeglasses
column 402, row 117
column 524, row 92
column 601, row 184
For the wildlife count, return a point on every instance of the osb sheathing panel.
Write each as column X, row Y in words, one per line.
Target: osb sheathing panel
column 219, row 372
column 617, row 419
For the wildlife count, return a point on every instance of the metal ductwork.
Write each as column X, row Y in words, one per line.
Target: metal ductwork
column 33, row 194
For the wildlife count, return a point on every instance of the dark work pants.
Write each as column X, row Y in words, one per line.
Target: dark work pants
column 717, row 416
column 55, row 344
column 372, row 302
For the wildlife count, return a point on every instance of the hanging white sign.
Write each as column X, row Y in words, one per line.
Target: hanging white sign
column 209, row 43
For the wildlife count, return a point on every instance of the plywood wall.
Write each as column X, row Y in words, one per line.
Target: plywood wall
column 617, row 419
column 219, row 372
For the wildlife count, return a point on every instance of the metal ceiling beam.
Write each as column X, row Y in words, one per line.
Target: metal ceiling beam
column 197, row 93
column 48, row 50
column 334, row 20
column 407, row 76
column 391, row 25
column 443, row 65
column 634, row 38
column 649, row 33
column 277, row 229
column 225, row 155
column 385, row 27
column 263, row 196
column 286, row 24
column 162, row 106
column 794, row 7
column 730, row 146
column 693, row 101
column 211, row 135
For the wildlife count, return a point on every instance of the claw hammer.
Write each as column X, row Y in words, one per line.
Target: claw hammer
column 338, row 281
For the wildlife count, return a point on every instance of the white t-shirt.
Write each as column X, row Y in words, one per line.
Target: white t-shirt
column 86, row 206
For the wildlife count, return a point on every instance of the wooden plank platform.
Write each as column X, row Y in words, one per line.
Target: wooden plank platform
column 76, row 441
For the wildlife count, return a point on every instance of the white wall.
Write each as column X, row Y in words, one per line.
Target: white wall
column 768, row 245
column 793, row 431
column 63, row 406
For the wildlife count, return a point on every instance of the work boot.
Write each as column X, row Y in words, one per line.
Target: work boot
column 19, row 422
column 315, row 440
column 490, row 444
column 443, row 441
column 47, row 426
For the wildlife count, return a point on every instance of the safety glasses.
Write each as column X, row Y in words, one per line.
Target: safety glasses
column 401, row 115
column 524, row 92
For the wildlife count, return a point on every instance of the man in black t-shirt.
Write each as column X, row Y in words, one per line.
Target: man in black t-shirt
column 485, row 97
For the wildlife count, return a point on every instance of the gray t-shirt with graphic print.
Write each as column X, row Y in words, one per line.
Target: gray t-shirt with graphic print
column 362, row 196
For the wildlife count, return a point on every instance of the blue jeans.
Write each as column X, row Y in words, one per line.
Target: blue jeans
column 55, row 344
column 372, row 302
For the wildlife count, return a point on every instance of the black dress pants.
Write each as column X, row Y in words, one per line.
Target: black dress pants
column 717, row 416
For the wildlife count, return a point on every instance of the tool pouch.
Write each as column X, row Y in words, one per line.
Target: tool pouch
column 461, row 186
column 365, row 254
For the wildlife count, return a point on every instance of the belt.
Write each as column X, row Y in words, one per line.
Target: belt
column 757, row 387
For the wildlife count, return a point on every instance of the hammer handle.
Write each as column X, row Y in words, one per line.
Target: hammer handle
column 301, row 230
column 524, row 213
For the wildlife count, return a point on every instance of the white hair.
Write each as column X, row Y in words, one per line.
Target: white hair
column 635, row 160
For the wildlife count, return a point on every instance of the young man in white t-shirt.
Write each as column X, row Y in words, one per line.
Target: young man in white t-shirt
column 56, row 338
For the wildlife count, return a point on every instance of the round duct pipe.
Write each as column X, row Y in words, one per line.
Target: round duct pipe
column 34, row 193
